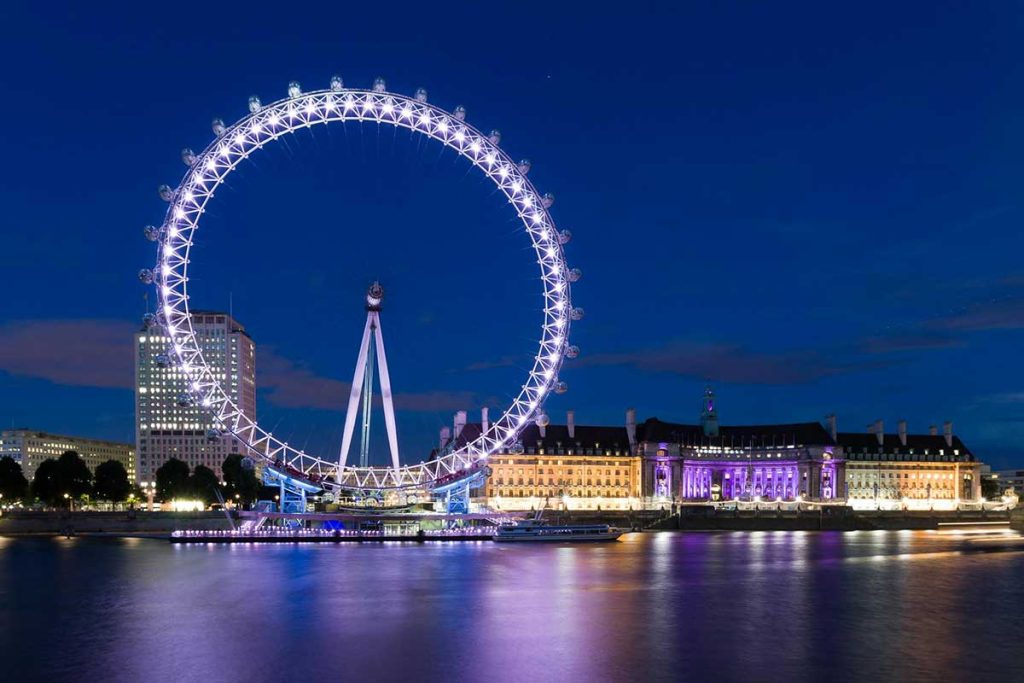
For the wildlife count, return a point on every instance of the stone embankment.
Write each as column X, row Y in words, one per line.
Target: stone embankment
column 1017, row 519
column 124, row 523
column 136, row 523
column 829, row 519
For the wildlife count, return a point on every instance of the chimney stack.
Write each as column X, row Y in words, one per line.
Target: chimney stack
column 947, row 430
column 543, row 429
column 933, row 430
column 460, row 422
column 570, row 423
column 631, row 426
column 446, row 434
column 878, row 429
column 485, row 423
column 903, row 432
column 832, row 427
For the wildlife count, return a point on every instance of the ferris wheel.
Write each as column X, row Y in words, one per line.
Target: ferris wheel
column 263, row 125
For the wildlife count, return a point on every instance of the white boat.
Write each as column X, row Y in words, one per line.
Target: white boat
column 533, row 530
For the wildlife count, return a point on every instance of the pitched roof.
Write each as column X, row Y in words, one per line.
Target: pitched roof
column 796, row 434
column 557, row 436
column 861, row 441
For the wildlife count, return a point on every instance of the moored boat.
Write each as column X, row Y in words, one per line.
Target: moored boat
column 532, row 530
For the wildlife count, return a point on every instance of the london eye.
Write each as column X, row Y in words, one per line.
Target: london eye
column 231, row 146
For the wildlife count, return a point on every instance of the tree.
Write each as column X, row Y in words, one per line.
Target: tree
column 203, row 484
column 76, row 479
column 74, row 475
column 67, row 475
column 991, row 488
column 112, row 482
column 46, row 484
column 13, row 484
column 172, row 479
column 240, row 480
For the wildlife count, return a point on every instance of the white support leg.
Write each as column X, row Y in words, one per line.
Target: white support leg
column 385, row 390
column 357, row 388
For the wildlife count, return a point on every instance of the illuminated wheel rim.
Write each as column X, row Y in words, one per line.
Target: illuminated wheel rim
column 265, row 124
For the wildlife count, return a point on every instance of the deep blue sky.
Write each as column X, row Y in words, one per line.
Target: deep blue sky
column 816, row 207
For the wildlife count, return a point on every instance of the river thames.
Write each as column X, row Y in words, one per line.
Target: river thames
column 758, row 606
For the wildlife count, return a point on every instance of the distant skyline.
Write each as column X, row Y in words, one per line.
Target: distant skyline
column 815, row 208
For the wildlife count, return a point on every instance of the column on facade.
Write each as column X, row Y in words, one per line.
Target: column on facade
column 957, row 484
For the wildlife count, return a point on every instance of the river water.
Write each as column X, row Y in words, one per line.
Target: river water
column 758, row 606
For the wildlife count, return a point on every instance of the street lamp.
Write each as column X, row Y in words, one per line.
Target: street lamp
column 70, row 502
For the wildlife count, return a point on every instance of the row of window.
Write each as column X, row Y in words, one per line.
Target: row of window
column 555, row 493
column 499, row 481
column 568, row 471
column 898, row 475
column 607, row 452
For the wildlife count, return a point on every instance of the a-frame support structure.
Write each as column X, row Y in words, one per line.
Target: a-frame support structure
column 362, row 385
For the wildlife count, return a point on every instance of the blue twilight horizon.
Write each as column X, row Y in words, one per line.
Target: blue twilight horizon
column 813, row 208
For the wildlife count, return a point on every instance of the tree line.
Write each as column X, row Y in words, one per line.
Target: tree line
column 60, row 481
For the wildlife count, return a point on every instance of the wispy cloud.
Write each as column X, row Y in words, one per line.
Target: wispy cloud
column 914, row 341
column 437, row 401
column 502, row 362
column 1009, row 398
column 288, row 384
column 91, row 353
column 998, row 314
column 98, row 353
column 732, row 363
column 988, row 305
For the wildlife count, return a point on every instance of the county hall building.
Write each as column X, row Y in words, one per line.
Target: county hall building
column 712, row 462
column 656, row 463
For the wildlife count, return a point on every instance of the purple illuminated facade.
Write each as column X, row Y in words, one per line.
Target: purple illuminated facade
column 706, row 462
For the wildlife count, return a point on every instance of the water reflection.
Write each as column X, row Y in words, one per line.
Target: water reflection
column 757, row 606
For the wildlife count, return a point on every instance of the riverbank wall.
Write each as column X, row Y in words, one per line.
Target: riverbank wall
column 1017, row 519
column 829, row 519
column 128, row 522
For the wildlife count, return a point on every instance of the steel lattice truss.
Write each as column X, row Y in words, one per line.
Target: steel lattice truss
column 265, row 124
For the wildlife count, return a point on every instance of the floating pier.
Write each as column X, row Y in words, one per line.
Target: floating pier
column 284, row 535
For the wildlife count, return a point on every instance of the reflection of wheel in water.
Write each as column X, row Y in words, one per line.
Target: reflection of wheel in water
column 265, row 124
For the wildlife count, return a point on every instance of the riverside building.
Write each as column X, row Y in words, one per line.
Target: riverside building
column 716, row 463
column 656, row 463
column 563, row 467
column 909, row 471
column 1011, row 479
column 170, row 426
column 29, row 448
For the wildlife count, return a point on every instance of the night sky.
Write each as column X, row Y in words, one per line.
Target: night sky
column 814, row 207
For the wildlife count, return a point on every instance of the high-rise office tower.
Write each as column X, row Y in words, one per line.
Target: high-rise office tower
column 164, row 427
